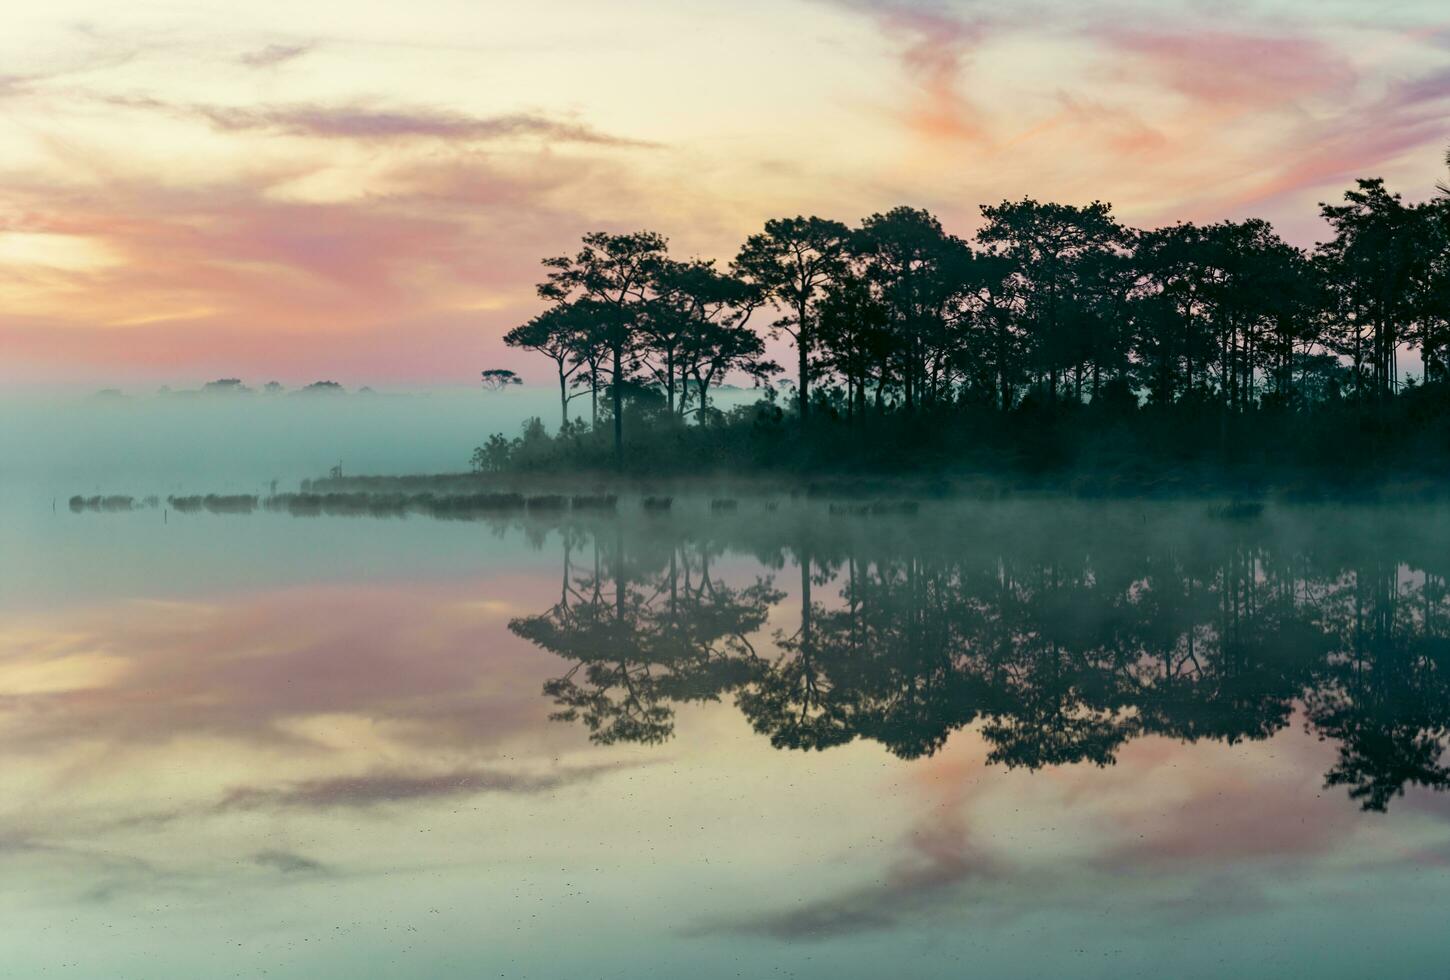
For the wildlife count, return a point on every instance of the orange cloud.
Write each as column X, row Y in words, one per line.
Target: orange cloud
column 934, row 50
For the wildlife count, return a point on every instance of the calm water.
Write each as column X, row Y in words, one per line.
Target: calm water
column 998, row 739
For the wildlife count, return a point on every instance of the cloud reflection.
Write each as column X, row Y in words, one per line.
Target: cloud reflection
column 402, row 786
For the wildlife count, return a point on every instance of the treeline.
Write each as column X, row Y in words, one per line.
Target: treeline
column 234, row 386
column 1048, row 306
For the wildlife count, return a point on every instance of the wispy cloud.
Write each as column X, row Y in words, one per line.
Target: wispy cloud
column 275, row 54
column 377, row 788
column 939, row 857
column 362, row 122
column 1409, row 116
column 12, row 85
column 1231, row 69
column 934, row 47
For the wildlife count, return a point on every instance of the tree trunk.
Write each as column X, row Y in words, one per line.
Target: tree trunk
column 618, row 387
column 563, row 398
column 670, row 380
column 803, row 379
column 805, row 602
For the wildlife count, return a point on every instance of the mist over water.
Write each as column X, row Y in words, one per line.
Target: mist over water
column 147, row 442
column 785, row 735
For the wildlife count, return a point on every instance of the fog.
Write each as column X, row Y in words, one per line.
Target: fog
column 64, row 444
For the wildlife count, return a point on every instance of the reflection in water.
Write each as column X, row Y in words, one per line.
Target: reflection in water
column 1063, row 646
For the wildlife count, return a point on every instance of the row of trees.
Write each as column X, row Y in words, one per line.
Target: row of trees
column 1056, row 302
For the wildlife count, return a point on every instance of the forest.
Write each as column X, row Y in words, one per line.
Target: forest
column 1055, row 338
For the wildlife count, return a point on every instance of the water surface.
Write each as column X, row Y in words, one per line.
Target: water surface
column 1019, row 738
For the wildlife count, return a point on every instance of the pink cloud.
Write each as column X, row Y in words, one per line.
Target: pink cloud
column 401, row 284
column 1234, row 69
column 1410, row 118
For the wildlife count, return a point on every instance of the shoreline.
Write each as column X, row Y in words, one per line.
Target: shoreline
column 1180, row 485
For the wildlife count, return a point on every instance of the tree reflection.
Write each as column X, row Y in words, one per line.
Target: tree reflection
column 643, row 638
column 1061, row 647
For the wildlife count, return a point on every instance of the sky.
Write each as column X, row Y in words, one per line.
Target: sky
column 362, row 192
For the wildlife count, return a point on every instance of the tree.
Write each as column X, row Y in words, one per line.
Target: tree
column 993, row 357
column 614, row 274
column 717, row 348
column 853, row 334
column 1173, row 326
column 791, row 263
column 918, row 274
column 496, row 379
column 695, row 315
column 1371, row 262
column 1430, row 291
column 558, row 333
column 1049, row 244
column 1261, row 299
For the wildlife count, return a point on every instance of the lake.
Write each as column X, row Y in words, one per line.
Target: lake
column 789, row 737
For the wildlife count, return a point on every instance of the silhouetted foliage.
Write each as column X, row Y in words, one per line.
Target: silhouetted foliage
column 495, row 379
column 1058, row 339
column 214, row 503
column 225, row 386
column 106, row 503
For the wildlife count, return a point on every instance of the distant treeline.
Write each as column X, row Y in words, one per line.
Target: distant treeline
column 234, row 386
column 463, row 506
column 306, row 504
column 988, row 344
column 239, row 503
column 111, row 502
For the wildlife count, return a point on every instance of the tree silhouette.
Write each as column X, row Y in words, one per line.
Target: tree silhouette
column 496, row 379
column 790, row 264
column 1215, row 343
column 614, row 275
column 558, row 333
